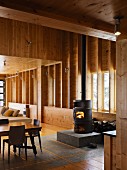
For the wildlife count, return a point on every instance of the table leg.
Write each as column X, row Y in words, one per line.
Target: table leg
column 14, row 148
column 33, row 145
column 0, row 144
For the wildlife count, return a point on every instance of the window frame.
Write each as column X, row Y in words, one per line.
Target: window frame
column 100, row 92
column 103, row 99
column 95, row 109
column 4, row 92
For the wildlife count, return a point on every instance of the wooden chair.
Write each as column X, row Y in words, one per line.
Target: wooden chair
column 16, row 138
column 36, row 133
column 4, row 121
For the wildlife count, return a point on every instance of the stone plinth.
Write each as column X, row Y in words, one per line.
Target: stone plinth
column 78, row 140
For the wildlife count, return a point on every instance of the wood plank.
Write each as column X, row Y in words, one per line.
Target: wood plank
column 65, row 70
column 58, row 85
column 20, row 88
column 107, row 153
column 31, row 86
column 73, row 70
column 35, row 86
column 27, row 86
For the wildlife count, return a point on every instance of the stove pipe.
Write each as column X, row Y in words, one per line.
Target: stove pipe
column 83, row 106
column 83, row 67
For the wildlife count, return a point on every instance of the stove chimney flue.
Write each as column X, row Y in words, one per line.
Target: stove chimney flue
column 83, row 67
column 82, row 111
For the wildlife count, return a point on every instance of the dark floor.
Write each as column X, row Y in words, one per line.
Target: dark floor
column 56, row 156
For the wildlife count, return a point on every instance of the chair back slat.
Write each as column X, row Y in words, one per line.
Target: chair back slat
column 17, row 135
column 4, row 121
column 36, row 122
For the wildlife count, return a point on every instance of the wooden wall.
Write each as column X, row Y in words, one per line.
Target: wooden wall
column 59, row 84
column 101, row 57
column 55, row 84
column 22, row 39
column 20, row 88
column 109, row 153
column 121, row 100
column 104, row 116
column 63, row 117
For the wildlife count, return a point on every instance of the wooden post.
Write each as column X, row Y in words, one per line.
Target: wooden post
column 58, row 80
column 121, row 104
column 73, row 68
column 107, row 153
column 65, row 70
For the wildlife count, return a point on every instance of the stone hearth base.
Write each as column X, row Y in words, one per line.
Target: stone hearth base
column 78, row 140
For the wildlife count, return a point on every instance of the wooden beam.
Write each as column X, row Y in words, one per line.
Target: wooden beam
column 72, row 26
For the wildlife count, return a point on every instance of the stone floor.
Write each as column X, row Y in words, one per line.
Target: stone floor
column 56, row 156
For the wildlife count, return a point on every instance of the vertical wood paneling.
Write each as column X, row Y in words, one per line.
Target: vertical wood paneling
column 26, row 40
column 112, row 66
column 20, row 88
column 3, row 36
column 13, row 89
column 93, row 53
column 40, row 42
column 35, row 88
column 23, row 88
column 46, row 38
column 51, row 85
column 27, row 86
column 32, row 44
column 18, row 38
column 73, row 69
column 45, row 86
column 65, row 70
column 58, row 85
column 31, row 92
column 39, row 93
column 121, row 104
column 88, row 74
column 99, row 80
column 113, row 55
column 24, row 36
column 105, row 55
column 107, row 153
column 8, row 91
column 17, row 88
column 53, row 40
column 9, row 37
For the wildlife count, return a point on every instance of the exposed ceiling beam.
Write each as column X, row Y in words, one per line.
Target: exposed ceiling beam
column 55, row 23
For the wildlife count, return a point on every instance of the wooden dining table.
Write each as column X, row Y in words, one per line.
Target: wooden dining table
column 29, row 127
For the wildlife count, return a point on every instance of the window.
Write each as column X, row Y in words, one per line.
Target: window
column 106, row 91
column 2, row 92
column 94, row 89
column 103, row 95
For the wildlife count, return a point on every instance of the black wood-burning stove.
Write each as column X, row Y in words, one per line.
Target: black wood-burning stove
column 82, row 111
column 82, row 114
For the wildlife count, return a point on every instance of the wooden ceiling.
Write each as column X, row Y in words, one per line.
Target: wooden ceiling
column 95, row 14
column 90, row 17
